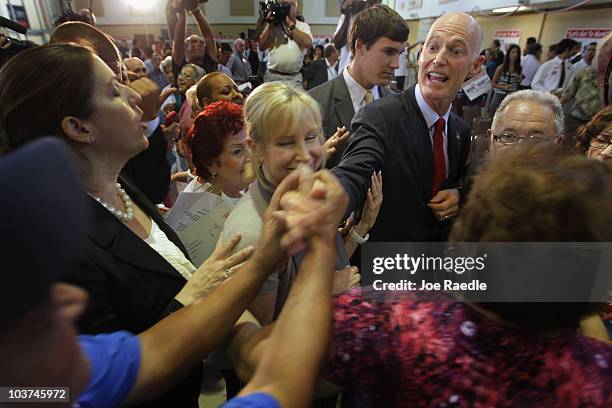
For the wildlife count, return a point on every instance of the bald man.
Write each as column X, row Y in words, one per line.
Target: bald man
column 136, row 68
column 420, row 146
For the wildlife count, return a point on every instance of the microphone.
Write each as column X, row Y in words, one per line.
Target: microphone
column 5, row 22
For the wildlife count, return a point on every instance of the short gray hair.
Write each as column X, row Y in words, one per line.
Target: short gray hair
column 197, row 70
column 166, row 63
column 542, row 98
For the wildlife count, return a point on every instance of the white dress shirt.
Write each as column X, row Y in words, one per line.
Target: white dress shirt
column 530, row 66
column 331, row 70
column 357, row 91
column 547, row 76
column 345, row 52
column 431, row 117
column 580, row 65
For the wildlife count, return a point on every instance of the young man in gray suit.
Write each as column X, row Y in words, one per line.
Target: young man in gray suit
column 377, row 38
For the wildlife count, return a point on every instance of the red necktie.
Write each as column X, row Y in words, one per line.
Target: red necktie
column 439, row 160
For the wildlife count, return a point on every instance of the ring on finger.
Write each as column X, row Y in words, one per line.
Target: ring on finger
column 226, row 273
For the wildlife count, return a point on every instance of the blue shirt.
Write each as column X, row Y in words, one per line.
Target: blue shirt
column 115, row 362
column 255, row 400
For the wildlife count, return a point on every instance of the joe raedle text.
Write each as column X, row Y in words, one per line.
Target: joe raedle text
column 423, row 285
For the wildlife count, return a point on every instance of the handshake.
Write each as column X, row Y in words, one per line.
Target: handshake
column 305, row 206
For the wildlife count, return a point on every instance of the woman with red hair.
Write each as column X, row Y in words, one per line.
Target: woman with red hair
column 217, row 141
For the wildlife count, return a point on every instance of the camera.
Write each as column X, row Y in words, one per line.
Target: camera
column 274, row 11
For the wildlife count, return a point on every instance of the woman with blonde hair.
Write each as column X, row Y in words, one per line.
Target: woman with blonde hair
column 284, row 131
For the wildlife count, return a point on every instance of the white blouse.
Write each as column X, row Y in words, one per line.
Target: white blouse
column 158, row 240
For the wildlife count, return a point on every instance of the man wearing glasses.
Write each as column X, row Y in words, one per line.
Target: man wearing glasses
column 526, row 116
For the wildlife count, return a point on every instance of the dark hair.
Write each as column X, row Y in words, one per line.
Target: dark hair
column 521, row 197
column 531, row 40
column 566, row 44
column 208, row 135
column 593, row 43
column 599, row 122
column 375, row 22
column 517, row 64
column 40, row 87
column 225, row 47
column 319, row 46
column 553, row 48
column 497, row 43
column 329, row 50
column 533, row 49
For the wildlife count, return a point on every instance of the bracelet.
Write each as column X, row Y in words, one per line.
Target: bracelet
column 357, row 238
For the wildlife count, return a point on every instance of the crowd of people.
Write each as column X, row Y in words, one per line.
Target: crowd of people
column 105, row 295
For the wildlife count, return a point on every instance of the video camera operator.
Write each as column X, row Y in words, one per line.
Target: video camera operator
column 286, row 38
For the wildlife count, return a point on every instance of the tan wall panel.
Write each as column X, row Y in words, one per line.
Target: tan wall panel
column 529, row 25
column 331, row 8
column 96, row 6
column 413, row 26
column 241, row 8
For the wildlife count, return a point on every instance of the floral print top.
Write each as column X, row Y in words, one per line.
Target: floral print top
column 401, row 352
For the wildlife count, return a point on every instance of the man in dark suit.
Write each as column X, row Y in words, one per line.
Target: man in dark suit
column 320, row 71
column 418, row 143
column 377, row 37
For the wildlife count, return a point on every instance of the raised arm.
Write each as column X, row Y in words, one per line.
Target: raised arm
column 290, row 364
column 178, row 45
column 207, row 32
column 341, row 35
column 365, row 154
column 302, row 38
column 265, row 37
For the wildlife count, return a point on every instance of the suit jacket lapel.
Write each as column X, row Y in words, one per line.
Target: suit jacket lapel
column 422, row 142
column 343, row 104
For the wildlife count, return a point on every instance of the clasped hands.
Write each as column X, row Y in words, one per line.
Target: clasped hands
column 305, row 206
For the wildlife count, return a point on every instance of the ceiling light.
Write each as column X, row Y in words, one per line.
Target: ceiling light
column 510, row 9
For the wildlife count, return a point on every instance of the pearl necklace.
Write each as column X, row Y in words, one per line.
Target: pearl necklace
column 126, row 216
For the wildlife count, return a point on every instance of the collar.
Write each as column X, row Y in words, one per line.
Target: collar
column 355, row 89
column 429, row 114
column 558, row 60
column 328, row 64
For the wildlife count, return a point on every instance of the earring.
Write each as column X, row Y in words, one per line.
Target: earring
column 91, row 139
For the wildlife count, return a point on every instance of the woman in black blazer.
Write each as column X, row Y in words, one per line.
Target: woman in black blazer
column 133, row 265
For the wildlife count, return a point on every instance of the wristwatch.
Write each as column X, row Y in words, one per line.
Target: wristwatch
column 358, row 238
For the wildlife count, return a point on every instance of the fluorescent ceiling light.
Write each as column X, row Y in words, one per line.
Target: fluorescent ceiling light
column 140, row 5
column 509, row 9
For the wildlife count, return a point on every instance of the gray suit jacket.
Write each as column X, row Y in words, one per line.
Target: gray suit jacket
column 338, row 111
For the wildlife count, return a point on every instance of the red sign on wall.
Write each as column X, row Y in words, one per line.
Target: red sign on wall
column 587, row 33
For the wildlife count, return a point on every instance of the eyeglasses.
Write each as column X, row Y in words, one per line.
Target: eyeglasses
column 600, row 142
column 507, row 138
